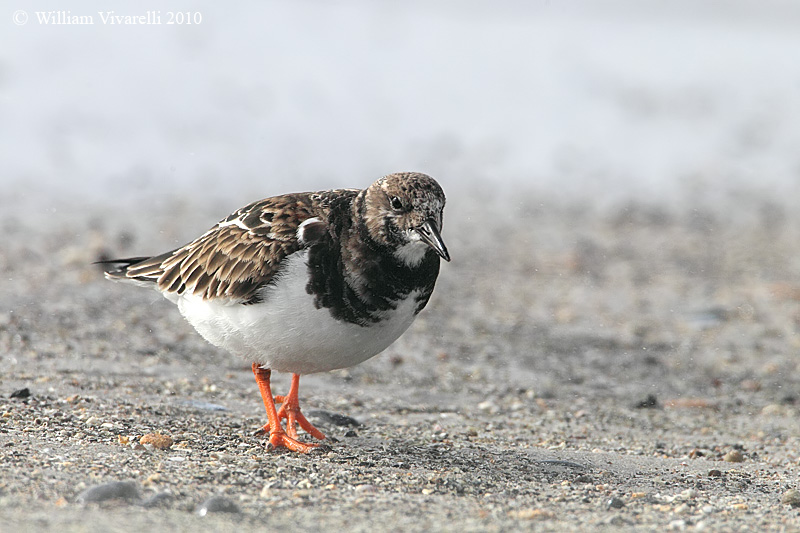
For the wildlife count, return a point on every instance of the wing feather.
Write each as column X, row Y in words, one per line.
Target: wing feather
column 242, row 253
column 238, row 256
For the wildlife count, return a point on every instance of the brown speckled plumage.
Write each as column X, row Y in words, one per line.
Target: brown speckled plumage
column 239, row 254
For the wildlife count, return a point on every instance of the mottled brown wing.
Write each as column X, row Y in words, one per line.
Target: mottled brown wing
column 237, row 256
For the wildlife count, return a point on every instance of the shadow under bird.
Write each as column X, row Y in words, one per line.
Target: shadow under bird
column 306, row 282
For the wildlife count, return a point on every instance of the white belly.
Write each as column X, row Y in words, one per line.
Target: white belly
column 287, row 333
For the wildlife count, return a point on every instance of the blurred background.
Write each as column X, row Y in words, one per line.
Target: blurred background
column 604, row 100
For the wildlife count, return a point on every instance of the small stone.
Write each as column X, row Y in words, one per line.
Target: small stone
column 615, row 503
column 733, row 456
column 152, row 479
column 156, row 440
column 21, row 393
column 677, row 525
column 714, row 473
column 791, row 497
column 650, row 402
column 335, row 419
column 488, row 406
column 116, row 490
column 532, row 514
column 217, row 504
column 584, row 478
column 159, row 499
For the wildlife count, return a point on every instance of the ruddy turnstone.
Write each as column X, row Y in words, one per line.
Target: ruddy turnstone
column 306, row 282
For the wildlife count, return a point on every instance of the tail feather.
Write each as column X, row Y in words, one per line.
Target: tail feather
column 118, row 269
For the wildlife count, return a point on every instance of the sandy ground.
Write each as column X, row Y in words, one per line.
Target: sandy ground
column 625, row 367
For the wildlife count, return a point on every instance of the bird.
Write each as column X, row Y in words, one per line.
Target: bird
column 305, row 282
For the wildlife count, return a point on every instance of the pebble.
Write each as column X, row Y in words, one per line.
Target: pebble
column 156, row 440
column 335, row 419
column 650, row 402
column 488, row 406
column 532, row 514
column 115, row 490
column 217, row 504
column 615, row 503
column 21, row 393
column 733, row 456
column 714, row 473
column 677, row 525
column 151, row 479
column 791, row 497
column 159, row 499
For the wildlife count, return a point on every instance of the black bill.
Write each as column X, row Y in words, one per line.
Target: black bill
column 429, row 234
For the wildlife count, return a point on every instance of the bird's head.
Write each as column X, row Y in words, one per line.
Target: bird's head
column 404, row 211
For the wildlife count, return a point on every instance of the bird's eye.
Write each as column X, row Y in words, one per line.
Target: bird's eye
column 397, row 205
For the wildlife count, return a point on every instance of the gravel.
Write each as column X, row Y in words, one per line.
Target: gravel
column 631, row 367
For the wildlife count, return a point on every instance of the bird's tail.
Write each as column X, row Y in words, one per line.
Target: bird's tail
column 128, row 269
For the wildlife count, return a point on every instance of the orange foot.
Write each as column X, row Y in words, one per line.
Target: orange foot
column 290, row 410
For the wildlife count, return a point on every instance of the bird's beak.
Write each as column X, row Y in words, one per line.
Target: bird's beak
column 429, row 234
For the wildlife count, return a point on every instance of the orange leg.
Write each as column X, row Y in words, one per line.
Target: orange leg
column 290, row 410
column 277, row 436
